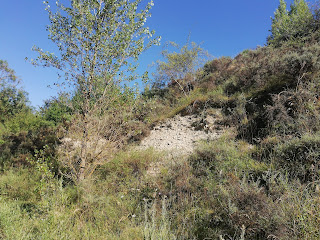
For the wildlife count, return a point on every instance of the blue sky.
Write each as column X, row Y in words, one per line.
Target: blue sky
column 225, row 28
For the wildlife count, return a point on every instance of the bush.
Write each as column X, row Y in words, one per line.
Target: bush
column 18, row 148
column 57, row 111
column 273, row 90
column 299, row 157
column 242, row 207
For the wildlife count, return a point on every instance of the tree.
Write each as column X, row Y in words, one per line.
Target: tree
column 98, row 41
column 280, row 20
column 56, row 110
column 7, row 75
column 180, row 66
column 12, row 99
column 291, row 25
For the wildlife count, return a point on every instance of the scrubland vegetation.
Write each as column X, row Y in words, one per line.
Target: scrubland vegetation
column 71, row 170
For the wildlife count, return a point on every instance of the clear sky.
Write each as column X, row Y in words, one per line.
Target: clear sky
column 225, row 28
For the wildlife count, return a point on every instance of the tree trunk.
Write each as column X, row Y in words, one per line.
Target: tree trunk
column 83, row 152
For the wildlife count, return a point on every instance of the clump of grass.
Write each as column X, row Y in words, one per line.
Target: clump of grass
column 223, row 156
column 19, row 185
column 157, row 224
column 109, row 206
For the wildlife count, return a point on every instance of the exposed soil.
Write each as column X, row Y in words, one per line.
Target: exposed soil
column 181, row 134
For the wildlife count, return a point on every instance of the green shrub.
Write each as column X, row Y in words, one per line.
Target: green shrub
column 300, row 157
column 56, row 110
column 17, row 148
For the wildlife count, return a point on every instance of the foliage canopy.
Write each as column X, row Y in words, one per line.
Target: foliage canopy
column 180, row 65
column 291, row 25
column 12, row 99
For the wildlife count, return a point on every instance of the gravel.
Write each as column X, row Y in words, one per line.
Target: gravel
column 181, row 134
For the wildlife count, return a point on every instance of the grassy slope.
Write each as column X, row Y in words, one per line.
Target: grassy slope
column 261, row 182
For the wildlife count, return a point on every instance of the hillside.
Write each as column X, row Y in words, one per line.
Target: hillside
column 226, row 150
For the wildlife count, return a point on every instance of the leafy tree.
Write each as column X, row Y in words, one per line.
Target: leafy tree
column 98, row 41
column 6, row 74
column 180, row 66
column 291, row 25
column 12, row 99
column 21, row 129
column 57, row 110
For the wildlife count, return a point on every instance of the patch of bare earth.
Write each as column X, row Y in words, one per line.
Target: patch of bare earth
column 179, row 136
